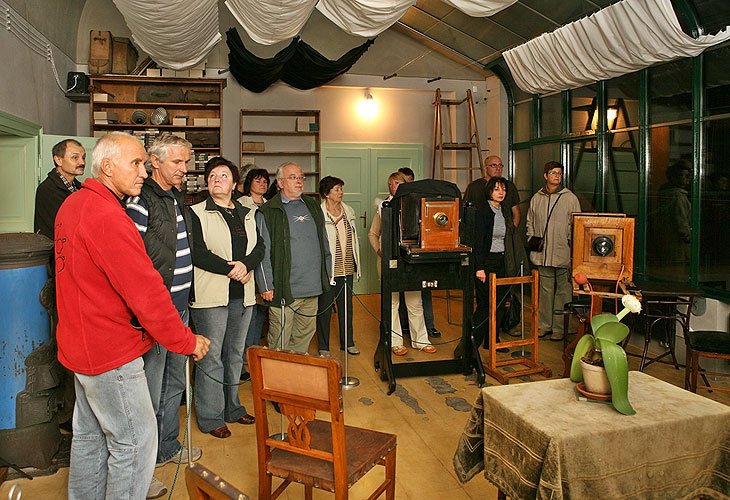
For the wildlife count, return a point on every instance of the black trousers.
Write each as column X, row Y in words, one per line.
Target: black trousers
column 494, row 264
column 323, row 317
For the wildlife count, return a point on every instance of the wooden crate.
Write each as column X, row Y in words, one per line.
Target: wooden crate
column 100, row 52
column 124, row 56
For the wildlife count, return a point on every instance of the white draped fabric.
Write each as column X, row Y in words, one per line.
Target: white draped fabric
column 364, row 17
column 622, row 38
column 175, row 34
column 271, row 21
column 480, row 8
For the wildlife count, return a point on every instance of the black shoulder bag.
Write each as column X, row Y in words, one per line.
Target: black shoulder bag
column 537, row 243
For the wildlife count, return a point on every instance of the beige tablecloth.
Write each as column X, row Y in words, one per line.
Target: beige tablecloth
column 537, row 440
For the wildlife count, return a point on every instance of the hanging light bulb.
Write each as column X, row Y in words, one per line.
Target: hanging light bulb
column 367, row 107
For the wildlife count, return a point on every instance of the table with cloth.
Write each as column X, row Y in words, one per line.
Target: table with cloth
column 539, row 440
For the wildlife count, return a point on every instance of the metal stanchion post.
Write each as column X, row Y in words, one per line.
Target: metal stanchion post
column 347, row 382
column 522, row 305
column 281, row 436
column 187, row 404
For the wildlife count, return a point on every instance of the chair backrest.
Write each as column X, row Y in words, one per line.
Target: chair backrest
column 205, row 485
column 301, row 385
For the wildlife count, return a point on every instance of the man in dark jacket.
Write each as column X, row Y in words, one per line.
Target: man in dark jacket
column 69, row 161
column 297, row 259
column 162, row 221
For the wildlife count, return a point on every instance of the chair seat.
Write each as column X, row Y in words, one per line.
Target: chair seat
column 708, row 341
column 364, row 449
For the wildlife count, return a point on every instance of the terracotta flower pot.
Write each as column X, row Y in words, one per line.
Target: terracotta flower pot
column 595, row 378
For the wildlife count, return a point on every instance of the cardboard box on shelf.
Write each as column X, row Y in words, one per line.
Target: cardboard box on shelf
column 200, row 122
column 153, row 72
column 214, row 122
column 253, row 146
column 124, row 56
column 103, row 97
column 168, row 73
column 180, row 121
column 197, row 73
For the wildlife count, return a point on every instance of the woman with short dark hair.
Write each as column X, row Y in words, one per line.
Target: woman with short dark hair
column 339, row 222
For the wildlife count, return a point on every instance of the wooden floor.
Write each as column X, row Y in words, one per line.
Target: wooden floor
column 427, row 414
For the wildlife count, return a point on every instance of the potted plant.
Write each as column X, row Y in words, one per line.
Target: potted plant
column 602, row 348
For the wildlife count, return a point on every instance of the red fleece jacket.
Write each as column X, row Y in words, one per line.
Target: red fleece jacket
column 104, row 278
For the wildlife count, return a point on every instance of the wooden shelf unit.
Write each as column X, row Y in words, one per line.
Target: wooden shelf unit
column 123, row 90
column 277, row 130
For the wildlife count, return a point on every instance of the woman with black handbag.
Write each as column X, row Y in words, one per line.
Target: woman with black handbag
column 497, row 249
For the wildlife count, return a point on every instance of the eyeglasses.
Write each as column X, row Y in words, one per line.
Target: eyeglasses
column 295, row 178
column 558, row 173
column 500, row 165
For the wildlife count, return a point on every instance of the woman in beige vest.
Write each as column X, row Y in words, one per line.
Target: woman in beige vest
column 226, row 248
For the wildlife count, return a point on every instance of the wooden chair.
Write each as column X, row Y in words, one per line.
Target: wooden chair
column 204, row 485
column 704, row 344
column 317, row 453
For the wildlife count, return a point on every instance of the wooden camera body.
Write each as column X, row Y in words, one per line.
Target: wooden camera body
column 603, row 246
column 435, row 226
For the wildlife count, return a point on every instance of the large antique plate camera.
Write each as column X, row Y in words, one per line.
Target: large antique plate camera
column 425, row 232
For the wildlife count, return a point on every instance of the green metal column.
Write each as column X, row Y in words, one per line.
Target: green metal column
column 697, row 166
column 642, row 222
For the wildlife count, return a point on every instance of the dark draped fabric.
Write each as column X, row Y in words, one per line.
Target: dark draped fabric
column 298, row 64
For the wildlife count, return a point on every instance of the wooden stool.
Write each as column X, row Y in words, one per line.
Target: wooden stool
column 706, row 344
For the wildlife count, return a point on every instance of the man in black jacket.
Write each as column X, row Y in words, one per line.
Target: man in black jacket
column 163, row 222
column 69, row 160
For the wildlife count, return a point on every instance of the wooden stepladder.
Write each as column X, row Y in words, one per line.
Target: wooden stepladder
column 532, row 365
column 470, row 145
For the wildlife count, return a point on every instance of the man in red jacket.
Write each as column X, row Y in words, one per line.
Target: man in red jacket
column 112, row 307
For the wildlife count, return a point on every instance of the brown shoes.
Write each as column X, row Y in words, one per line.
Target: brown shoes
column 221, row 432
column 246, row 419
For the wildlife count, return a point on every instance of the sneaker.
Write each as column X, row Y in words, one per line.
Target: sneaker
column 245, row 376
column 434, row 333
column 556, row 337
column 324, row 352
column 353, row 350
column 543, row 333
column 197, row 453
column 157, row 488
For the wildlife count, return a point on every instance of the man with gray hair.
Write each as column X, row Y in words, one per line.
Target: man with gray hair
column 112, row 307
column 163, row 222
column 294, row 270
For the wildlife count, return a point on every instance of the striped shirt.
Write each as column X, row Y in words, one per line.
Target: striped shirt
column 183, row 274
column 344, row 257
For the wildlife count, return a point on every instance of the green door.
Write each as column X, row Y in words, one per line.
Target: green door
column 365, row 169
column 18, row 160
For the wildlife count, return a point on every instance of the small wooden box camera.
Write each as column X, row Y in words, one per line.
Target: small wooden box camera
column 603, row 246
column 436, row 226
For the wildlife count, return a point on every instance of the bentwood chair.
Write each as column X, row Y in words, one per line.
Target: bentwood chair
column 204, row 485
column 704, row 344
column 317, row 453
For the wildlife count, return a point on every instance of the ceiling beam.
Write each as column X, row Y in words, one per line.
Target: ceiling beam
column 442, row 49
column 452, row 27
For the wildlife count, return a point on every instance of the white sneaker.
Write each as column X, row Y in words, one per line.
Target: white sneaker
column 157, row 488
column 197, row 453
column 324, row 352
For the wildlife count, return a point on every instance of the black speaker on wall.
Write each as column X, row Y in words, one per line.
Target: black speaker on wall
column 77, row 82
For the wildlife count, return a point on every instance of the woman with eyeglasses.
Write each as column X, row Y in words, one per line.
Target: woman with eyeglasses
column 497, row 249
column 548, row 233
column 226, row 248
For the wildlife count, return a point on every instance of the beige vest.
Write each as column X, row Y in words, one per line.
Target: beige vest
column 211, row 290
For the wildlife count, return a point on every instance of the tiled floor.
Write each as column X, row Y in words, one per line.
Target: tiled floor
column 427, row 414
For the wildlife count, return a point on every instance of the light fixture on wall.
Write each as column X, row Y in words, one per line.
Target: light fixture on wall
column 367, row 107
column 611, row 115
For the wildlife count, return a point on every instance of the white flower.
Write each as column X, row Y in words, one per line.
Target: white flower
column 631, row 303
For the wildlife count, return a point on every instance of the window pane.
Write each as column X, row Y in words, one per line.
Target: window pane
column 715, row 207
column 670, row 91
column 521, row 179
column 582, row 173
column 550, row 113
column 668, row 222
column 522, row 121
column 542, row 154
column 623, row 100
column 582, row 106
column 622, row 184
column 717, row 82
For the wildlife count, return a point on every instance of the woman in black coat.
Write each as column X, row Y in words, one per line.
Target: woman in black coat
column 497, row 249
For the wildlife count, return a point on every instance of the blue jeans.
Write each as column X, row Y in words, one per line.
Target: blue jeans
column 226, row 328
column 165, row 372
column 114, row 435
column 255, row 328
